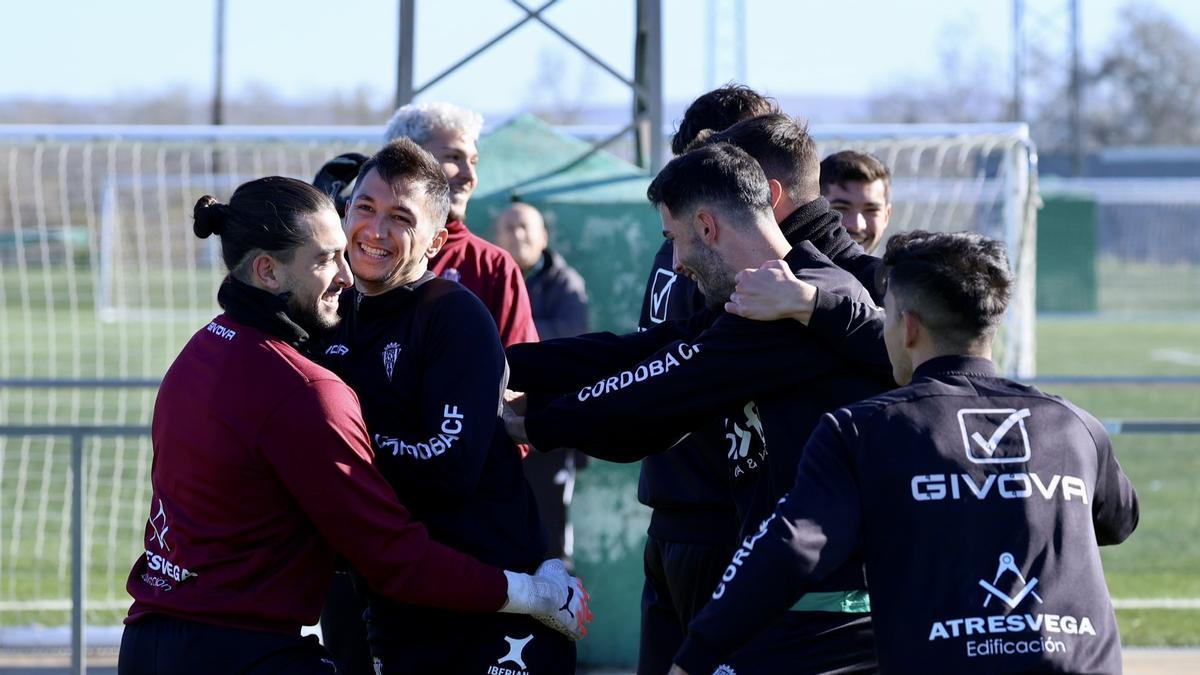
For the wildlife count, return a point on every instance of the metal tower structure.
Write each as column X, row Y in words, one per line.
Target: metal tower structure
column 725, row 57
column 645, row 84
column 1046, row 65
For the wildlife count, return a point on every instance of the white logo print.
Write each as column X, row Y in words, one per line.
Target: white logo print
column 451, row 274
column 743, row 434
column 389, row 358
column 724, row 670
column 515, row 650
column 160, row 527
column 660, row 291
column 1008, row 564
column 337, row 350
column 984, row 449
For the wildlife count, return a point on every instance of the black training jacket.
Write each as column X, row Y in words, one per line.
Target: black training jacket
column 640, row 393
column 977, row 503
column 427, row 364
column 688, row 487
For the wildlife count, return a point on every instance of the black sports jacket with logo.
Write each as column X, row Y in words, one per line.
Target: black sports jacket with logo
column 977, row 503
column 691, row 476
column 767, row 382
column 688, row 486
column 427, row 364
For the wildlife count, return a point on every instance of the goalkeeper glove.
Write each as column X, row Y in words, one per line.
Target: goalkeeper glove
column 551, row 596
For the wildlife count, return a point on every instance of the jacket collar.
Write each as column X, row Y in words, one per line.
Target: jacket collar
column 399, row 296
column 955, row 365
column 262, row 310
column 807, row 221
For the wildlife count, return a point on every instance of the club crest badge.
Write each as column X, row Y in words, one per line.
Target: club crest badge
column 390, row 352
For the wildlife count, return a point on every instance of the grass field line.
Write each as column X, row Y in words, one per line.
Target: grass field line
column 1156, row 603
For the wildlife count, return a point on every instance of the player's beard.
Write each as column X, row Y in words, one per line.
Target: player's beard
column 306, row 313
column 716, row 280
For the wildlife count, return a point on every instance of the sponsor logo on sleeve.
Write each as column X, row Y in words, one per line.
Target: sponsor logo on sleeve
column 221, row 331
column 1021, row 628
column 451, row 274
column 675, row 356
column 747, row 449
column 435, row 446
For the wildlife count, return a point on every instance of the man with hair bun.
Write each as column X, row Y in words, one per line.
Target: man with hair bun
column 263, row 473
column 977, row 502
column 450, row 134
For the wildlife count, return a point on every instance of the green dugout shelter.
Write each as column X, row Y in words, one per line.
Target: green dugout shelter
column 599, row 220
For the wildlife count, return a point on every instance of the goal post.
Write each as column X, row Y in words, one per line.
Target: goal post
column 956, row 177
column 102, row 282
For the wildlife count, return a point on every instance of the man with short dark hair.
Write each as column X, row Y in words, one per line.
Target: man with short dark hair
column 640, row 393
column 977, row 502
column 425, row 359
column 693, row 525
column 859, row 187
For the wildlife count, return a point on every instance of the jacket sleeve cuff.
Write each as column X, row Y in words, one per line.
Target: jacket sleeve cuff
column 696, row 657
column 823, row 306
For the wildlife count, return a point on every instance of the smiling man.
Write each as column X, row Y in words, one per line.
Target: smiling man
column 859, row 186
column 263, row 472
column 426, row 361
column 450, row 134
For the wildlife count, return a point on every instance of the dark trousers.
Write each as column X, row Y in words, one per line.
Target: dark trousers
column 448, row 643
column 343, row 628
column 680, row 578
column 808, row 643
column 161, row 645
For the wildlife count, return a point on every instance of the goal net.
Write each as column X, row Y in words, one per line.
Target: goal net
column 102, row 282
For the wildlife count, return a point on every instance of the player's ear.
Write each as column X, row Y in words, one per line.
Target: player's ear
column 267, row 273
column 706, row 226
column 776, row 192
column 439, row 240
column 912, row 328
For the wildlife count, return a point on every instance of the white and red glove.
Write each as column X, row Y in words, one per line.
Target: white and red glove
column 551, row 596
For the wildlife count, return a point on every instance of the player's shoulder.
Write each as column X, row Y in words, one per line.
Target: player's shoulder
column 442, row 297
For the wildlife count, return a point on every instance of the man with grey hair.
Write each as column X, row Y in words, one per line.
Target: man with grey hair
column 450, row 133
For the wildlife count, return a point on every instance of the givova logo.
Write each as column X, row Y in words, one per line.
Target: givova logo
column 994, row 635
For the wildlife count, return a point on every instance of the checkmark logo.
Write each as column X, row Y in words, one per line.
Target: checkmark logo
column 659, row 292
column 982, row 436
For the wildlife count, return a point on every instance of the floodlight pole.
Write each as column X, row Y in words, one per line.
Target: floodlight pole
column 647, row 92
column 646, row 83
column 406, row 52
column 218, row 101
column 1076, row 94
column 1018, row 54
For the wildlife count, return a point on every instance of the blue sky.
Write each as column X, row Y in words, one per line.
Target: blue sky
column 301, row 48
